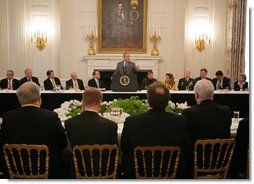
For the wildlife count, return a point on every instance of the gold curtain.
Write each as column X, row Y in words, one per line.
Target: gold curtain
column 236, row 32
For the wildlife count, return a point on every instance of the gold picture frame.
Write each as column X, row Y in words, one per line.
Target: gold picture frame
column 122, row 26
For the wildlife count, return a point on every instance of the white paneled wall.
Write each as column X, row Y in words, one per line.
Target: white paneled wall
column 67, row 46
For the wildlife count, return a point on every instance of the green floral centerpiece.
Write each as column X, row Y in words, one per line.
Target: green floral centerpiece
column 131, row 106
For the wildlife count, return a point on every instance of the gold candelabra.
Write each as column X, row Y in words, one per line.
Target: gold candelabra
column 39, row 39
column 201, row 42
column 155, row 39
column 91, row 38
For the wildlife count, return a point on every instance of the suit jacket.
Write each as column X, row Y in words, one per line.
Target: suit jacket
column 69, row 84
column 146, row 82
column 32, row 125
column 34, row 79
column 237, row 87
column 183, row 84
column 48, row 85
column 92, row 83
column 225, row 83
column 239, row 159
column 154, row 127
column 199, row 78
column 131, row 68
column 208, row 120
column 90, row 128
column 4, row 84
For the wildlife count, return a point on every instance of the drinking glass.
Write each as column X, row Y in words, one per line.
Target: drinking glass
column 236, row 115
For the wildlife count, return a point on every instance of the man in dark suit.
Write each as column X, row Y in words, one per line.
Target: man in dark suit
column 89, row 127
column 96, row 80
column 148, row 80
column 207, row 120
column 9, row 82
column 126, row 66
column 32, row 125
column 242, row 150
column 51, row 82
column 221, row 82
column 74, row 82
column 203, row 74
column 154, row 128
column 186, row 83
column 29, row 77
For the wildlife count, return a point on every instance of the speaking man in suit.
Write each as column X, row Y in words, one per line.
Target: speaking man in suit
column 153, row 128
column 203, row 75
column 74, row 82
column 208, row 119
column 9, row 82
column 89, row 127
column 96, row 80
column 186, row 83
column 52, row 81
column 221, row 82
column 29, row 77
column 126, row 66
column 32, row 125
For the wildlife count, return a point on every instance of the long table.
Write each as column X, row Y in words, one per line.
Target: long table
column 237, row 100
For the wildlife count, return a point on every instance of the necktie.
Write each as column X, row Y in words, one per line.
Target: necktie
column 54, row 84
column 9, row 84
column 97, row 83
column 75, row 85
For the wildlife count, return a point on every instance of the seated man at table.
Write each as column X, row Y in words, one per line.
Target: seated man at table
column 52, row 81
column 148, row 80
column 221, row 82
column 156, row 127
column 203, row 75
column 9, row 82
column 32, row 125
column 29, row 77
column 186, row 83
column 96, row 80
column 74, row 82
column 208, row 119
column 89, row 127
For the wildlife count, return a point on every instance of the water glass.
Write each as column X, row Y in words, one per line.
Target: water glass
column 236, row 115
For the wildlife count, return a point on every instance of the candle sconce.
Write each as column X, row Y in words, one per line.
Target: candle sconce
column 91, row 38
column 39, row 39
column 155, row 39
column 201, row 42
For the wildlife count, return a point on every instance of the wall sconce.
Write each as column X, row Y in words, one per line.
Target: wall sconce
column 40, row 39
column 134, row 4
column 201, row 41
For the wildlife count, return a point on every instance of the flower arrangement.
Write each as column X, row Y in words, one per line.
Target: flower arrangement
column 131, row 106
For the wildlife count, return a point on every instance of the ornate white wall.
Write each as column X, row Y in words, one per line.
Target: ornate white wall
column 67, row 47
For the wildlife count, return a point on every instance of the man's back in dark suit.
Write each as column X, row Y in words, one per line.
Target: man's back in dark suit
column 4, row 83
column 90, row 128
column 32, row 125
column 34, row 79
column 92, row 83
column 154, row 127
column 48, row 84
column 69, row 84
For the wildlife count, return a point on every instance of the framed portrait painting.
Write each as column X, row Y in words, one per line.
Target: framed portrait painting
column 122, row 26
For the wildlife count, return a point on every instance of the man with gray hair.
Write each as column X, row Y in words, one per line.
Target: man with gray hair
column 9, row 82
column 32, row 125
column 29, row 77
column 208, row 119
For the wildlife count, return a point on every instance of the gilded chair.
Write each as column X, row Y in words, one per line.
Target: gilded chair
column 156, row 162
column 95, row 161
column 27, row 161
column 212, row 158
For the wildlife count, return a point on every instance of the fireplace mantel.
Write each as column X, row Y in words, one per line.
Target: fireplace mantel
column 109, row 62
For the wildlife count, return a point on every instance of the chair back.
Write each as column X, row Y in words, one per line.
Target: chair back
column 212, row 158
column 159, row 162
column 27, row 161
column 95, row 161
